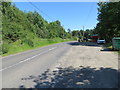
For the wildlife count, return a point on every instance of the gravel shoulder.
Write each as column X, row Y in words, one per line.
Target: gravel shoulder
column 85, row 65
column 93, row 56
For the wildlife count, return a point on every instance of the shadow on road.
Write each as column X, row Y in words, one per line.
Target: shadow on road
column 93, row 44
column 106, row 49
column 85, row 44
column 82, row 77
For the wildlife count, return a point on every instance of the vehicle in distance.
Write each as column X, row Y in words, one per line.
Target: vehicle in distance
column 101, row 41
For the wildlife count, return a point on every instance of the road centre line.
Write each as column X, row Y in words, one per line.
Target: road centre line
column 28, row 59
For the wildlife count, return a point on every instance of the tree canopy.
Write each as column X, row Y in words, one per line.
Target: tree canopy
column 109, row 22
column 18, row 25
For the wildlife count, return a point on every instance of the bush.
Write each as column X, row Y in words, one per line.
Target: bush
column 4, row 48
column 29, row 42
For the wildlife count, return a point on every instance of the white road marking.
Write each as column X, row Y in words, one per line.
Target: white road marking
column 28, row 59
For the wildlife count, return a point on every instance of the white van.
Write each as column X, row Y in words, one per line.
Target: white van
column 101, row 41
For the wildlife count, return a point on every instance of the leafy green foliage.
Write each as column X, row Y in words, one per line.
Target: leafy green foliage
column 83, row 34
column 4, row 48
column 21, row 30
column 109, row 22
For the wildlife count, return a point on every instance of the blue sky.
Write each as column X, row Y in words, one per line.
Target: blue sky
column 73, row 15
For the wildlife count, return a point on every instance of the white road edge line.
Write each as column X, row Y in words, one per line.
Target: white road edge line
column 28, row 59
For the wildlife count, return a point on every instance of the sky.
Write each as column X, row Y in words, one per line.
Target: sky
column 72, row 15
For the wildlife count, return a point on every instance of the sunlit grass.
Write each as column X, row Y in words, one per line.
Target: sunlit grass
column 17, row 47
column 119, row 52
column 109, row 46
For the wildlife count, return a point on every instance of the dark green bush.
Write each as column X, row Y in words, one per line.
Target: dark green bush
column 4, row 48
column 29, row 42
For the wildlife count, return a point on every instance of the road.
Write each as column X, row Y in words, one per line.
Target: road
column 32, row 62
column 17, row 67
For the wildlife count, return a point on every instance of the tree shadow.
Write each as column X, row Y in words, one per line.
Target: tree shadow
column 107, row 49
column 85, row 44
column 82, row 77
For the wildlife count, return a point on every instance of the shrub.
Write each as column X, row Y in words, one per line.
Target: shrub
column 4, row 48
column 29, row 42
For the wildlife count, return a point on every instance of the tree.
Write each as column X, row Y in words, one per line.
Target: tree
column 25, row 27
column 108, row 17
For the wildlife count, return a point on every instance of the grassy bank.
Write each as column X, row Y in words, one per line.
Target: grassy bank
column 119, row 52
column 18, row 46
column 109, row 46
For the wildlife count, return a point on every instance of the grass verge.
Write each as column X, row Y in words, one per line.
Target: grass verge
column 109, row 46
column 119, row 52
column 17, row 47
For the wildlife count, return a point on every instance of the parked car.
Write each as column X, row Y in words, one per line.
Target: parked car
column 101, row 41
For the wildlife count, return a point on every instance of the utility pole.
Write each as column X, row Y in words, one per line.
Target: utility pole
column 63, row 32
column 79, row 36
column 83, row 33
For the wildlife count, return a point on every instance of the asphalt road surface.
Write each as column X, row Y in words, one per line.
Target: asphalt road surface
column 35, row 62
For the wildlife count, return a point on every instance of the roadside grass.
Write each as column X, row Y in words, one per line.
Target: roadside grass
column 17, row 47
column 119, row 52
column 109, row 46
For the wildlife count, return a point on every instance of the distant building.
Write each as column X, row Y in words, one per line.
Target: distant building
column 94, row 37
